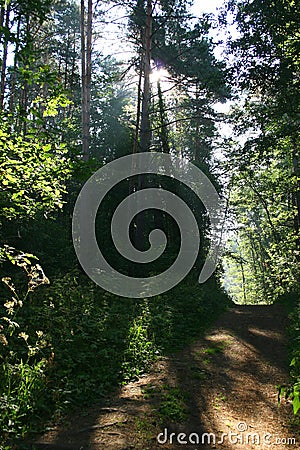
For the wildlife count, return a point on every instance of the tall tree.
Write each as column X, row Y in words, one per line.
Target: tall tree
column 86, row 73
column 267, row 160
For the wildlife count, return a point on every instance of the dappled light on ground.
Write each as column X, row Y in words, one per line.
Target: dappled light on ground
column 219, row 390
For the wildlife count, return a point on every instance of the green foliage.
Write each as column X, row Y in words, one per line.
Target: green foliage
column 112, row 111
column 263, row 255
column 185, row 309
column 263, row 195
column 292, row 391
column 181, row 113
column 33, row 175
column 267, row 47
column 295, row 392
column 213, row 350
column 145, row 428
column 25, row 352
column 219, row 398
column 70, row 343
column 90, row 341
column 187, row 51
column 20, row 402
column 141, row 351
column 172, row 406
column 169, row 403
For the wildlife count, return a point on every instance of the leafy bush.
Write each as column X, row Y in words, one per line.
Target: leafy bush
column 33, row 175
column 141, row 350
column 76, row 343
column 292, row 391
column 24, row 352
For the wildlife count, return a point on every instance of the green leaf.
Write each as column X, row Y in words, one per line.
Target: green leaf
column 296, row 404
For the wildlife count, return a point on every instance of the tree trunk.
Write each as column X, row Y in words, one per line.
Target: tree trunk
column 4, row 58
column 243, row 280
column 161, row 218
column 2, row 15
column 86, row 70
column 164, row 138
column 197, row 132
column 89, row 67
column 74, row 62
column 138, row 112
column 14, row 73
column 66, row 70
column 131, row 188
column 296, row 194
column 145, row 131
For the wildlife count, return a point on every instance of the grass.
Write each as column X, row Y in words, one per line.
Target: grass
column 144, row 428
column 172, row 407
column 213, row 350
column 199, row 374
column 218, row 399
column 168, row 403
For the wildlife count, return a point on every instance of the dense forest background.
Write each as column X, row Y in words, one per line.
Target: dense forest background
column 84, row 83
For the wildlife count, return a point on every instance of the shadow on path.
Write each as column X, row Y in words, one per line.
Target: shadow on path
column 228, row 379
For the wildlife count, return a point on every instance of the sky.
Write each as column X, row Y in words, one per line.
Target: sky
column 209, row 6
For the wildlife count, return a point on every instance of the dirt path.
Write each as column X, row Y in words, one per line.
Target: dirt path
column 223, row 384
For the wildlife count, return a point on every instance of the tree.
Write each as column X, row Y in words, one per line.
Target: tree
column 86, row 73
column 266, row 198
column 185, row 51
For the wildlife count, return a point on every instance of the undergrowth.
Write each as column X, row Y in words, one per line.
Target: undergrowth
column 70, row 343
column 292, row 391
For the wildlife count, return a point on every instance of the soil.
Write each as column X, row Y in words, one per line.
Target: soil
column 223, row 384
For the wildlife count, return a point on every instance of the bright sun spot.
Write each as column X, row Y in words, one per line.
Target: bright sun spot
column 159, row 75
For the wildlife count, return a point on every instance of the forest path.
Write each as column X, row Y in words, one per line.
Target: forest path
column 223, row 383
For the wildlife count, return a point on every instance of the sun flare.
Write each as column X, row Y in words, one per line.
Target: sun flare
column 159, row 75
